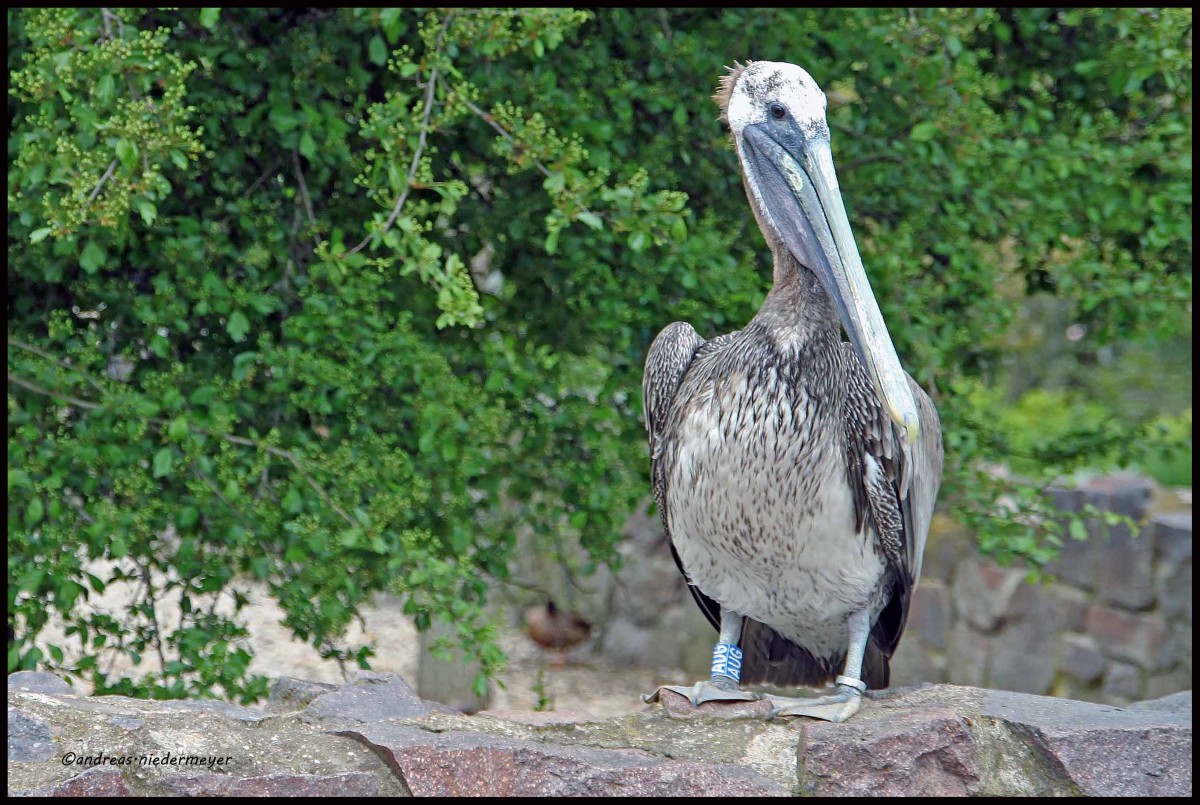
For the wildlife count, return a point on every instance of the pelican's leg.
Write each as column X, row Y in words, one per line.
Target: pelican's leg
column 723, row 683
column 850, row 687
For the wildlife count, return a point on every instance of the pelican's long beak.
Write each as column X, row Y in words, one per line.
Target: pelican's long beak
column 799, row 192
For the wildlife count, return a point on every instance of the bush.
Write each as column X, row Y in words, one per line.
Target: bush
column 334, row 299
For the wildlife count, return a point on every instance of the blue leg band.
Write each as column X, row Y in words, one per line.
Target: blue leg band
column 727, row 662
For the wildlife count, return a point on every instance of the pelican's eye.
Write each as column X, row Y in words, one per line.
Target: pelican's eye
column 778, row 111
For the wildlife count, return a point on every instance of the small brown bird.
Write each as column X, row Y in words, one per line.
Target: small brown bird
column 552, row 628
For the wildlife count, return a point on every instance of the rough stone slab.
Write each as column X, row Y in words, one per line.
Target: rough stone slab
column 29, row 738
column 116, row 726
column 288, row 693
column 542, row 718
column 927, row 752
column 1102, row 750
column 38, row 682
column 346, row 784
column 469, row 764
column 92, row 783
column 371, row 697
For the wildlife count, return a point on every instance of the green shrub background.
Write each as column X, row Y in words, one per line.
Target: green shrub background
column 339, row 299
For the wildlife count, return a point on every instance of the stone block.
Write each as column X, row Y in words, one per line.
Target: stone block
column 371, row 697
column 1168, row 682
column 982, row 592
column 38, row 682
column 1080, row 658
column 1178, row 653
column 1066, row 605
column 1022, row 653
column 1122, row 493
column 1122, row 566
column 967, row 656
column 1074, row 563
column 929, row 614
column 914, row 663
column 947, row 544
column 1139, row 639
column 1172, row 534
column 1122, row 683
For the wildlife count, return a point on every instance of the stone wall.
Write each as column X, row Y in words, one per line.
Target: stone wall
column 1115, row 626
column 375, row 737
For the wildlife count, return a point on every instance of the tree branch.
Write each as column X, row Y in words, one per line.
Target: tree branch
column 37, row 351
column 503, row 132
column 112, row 166
column 416, row 160
column 308, row 208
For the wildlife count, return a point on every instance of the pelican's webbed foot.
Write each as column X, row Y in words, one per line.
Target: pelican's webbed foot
column 837, row 707
column 726, row 670
column 722, row 689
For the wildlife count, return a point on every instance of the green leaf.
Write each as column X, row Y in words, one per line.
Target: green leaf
column 377, row 51
column 38, row 235
column 592, row 220
column 209, row 17
column 179, row 158
column 923, row 132
column 164, row 460
column 146, row 209
column 188, row 517
column 308, row 146
column 92, row 257
column 1077, row 529
column 178, row 429
column 31, row 579
column 292, row 502
column 238, row 326
column 35, row 512
column 105, row 88
column 127, row 152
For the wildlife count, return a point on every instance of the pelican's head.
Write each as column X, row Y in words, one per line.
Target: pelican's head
column 776, row 112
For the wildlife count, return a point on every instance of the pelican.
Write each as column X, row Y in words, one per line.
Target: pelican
column 795, row 472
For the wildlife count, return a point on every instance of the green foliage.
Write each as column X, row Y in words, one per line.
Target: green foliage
column 337, row 299
column 544, row 700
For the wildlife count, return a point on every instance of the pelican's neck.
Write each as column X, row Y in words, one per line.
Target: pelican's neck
column 798, row 310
